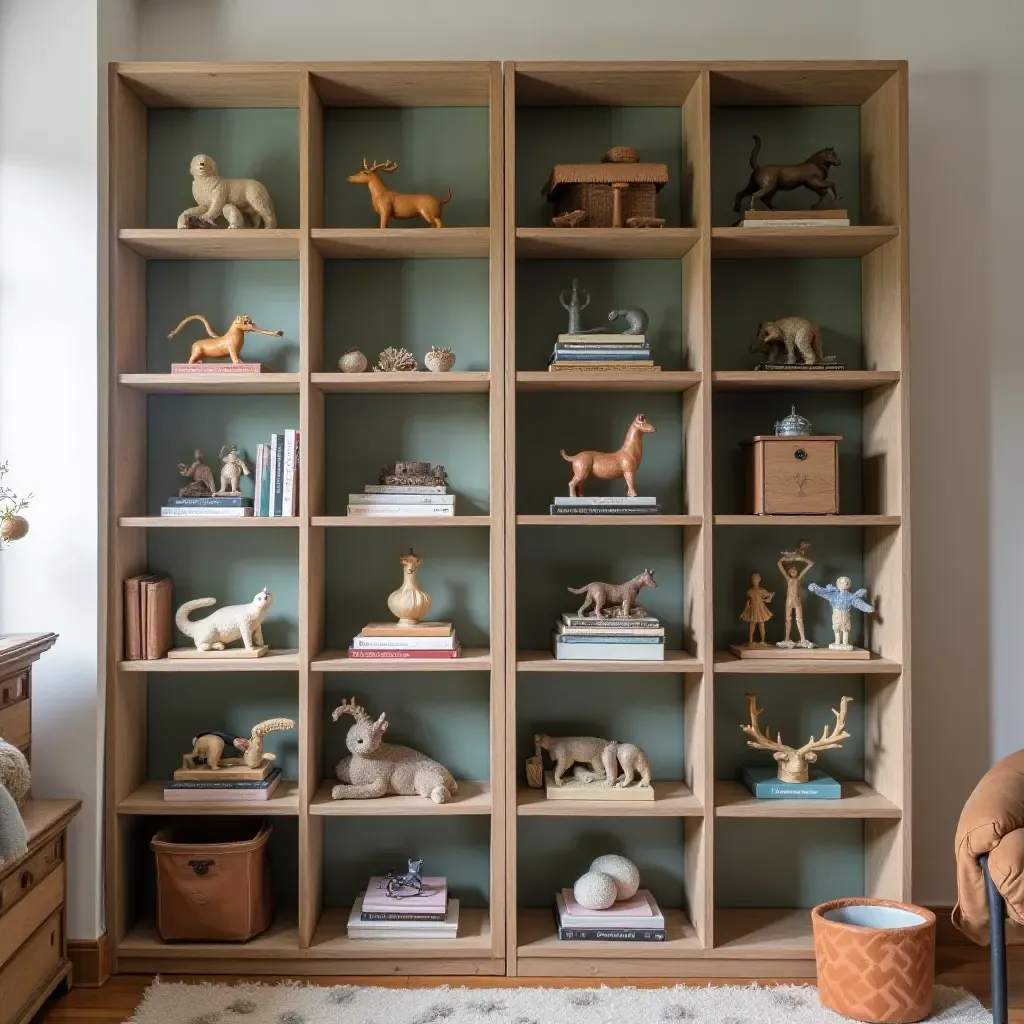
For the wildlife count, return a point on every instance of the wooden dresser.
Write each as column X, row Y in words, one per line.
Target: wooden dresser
column 33, row 939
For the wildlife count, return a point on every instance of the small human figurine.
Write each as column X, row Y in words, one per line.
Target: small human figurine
column 574, row 306
column 794, row 599
column 233, row 467
column 200, row 476
column 755, row 611
column 843, row 600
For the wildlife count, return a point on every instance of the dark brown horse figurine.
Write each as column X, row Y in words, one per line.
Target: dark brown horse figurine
column 611, row 465
column 771, row 178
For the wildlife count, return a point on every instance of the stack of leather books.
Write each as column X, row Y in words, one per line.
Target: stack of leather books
column 148, row 622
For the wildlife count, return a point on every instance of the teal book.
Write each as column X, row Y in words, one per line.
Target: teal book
column 765, row 785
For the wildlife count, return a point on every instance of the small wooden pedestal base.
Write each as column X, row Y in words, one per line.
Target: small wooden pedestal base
column 230, row 652
column 574, row 789
column 803, row 653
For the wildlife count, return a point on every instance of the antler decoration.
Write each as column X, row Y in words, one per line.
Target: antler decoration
column 350, row 707
column 793, row 761
column 387, row 165
column 271, row 725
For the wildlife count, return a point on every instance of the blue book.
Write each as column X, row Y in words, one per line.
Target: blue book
column 765, row 784
column 597, row 355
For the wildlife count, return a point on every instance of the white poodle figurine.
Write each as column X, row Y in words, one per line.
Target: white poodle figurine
column 230, row 198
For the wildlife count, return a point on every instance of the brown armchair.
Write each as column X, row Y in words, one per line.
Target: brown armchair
column 990, row 868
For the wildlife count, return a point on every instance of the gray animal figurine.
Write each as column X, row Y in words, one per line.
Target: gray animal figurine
column 768, row 179
column 619, row 598
column 396, row 880
column 574, row 305
column 635, row 317
column 603, row 756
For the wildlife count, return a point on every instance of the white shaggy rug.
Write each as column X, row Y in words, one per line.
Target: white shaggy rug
column 181, row 1003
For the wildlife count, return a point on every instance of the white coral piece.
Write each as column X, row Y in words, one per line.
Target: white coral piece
column 393, row 360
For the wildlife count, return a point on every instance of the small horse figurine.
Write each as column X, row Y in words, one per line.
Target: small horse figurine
column 611, row 465
column 411, row 879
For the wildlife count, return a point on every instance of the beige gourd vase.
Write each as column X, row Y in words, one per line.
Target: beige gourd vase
column 408, row 602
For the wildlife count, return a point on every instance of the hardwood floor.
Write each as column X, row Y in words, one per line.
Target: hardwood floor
column 963, row 966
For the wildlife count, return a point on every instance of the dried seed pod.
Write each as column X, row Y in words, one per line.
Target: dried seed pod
column 439, row 360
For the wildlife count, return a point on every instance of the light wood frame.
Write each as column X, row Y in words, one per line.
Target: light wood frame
column 703, row 942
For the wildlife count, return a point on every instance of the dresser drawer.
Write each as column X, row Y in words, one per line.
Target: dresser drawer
column 14, row 688
column 20, row 882
column 29, row 913
column 25, row 973
column 16, row 723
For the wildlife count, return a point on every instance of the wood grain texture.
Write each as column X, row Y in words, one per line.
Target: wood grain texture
column 798, row 243
column 148, row 799
column 396, row 522
column 798, row 83
column 208, row 522
column 606, row 520
column 218, row 244
column 729, row 664
column 675, row 662
column 403, row 243
column 618, row 380
column 671, row 799
column 211, row 384
column 472, row 798
column 802, row 380
column 859, row 800
column 419, row 382
column 780, row 519
column 474, row 659
column 605, row 243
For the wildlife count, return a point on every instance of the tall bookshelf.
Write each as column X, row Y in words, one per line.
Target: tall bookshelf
column 735, row 875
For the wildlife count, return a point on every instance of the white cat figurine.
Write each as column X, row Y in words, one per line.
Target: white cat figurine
column 225, row 624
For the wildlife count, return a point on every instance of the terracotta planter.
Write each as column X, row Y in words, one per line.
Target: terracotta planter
column 876, row 959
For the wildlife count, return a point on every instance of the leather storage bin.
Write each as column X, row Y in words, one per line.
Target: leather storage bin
column 212, row 880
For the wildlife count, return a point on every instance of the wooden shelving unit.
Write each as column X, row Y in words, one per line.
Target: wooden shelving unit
column 529, row 560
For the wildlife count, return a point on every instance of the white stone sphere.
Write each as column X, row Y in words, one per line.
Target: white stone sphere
column 622, row 871
column 595, row 890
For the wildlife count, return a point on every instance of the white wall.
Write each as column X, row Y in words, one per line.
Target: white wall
column 967, row 90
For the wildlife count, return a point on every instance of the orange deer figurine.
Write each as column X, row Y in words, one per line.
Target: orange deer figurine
column 229, row 344
column 611, row 465
column 390, row 204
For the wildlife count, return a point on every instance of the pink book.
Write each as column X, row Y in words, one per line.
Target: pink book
column 638, row 906
column 233, row 368
column 433, row 900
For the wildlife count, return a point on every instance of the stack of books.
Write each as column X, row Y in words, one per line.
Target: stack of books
column 602, row 352
column 389, row 640
column 634, row 920
column 638, row 506
column 277, row 475
column 796, row 219
column 229, row 784
column 148, row 606
column 584, row 638
column 429, row 914
column 425, row 500
column 223, row 506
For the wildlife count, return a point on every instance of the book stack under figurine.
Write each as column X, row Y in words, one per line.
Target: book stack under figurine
column 639, row 506
column 407, row 914
column 231, row 783
column 796, row 219
column 277, row 476
column 588, row 638
column 602, row 353
column 424, row 500
column 390, row 640
column 637, row 919
column 225, row 506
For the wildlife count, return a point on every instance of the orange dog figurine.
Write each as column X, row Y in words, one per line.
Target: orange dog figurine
column 218, row 346
column 611, row 465
column 390, row 204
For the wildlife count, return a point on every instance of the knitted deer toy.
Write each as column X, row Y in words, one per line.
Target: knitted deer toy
column 377, row 769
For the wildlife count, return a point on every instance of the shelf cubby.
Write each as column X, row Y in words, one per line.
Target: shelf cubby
column 735, row 876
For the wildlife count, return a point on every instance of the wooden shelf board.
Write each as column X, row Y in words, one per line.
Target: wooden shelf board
column 42, row 815
column 217, row 244
column 671, row 799
column 474, row 659
column 403, row 521
column 281, row 938
column 211, row 384
column 605, row 243
column 667, row 380
column 472, row 798
column 417, row 382
column 803, row 380
column 764, row 934
column 599, row 520
column 407, row 84
column 797, row 83
column 173, row 84
column 283, row 660
column 538, row 938
column 728, row 664
column 330, row 940
column 403, row 243
column 149, row 799
column 544, row 661
column 203, row 522
column 841, row 520
column 798, row 243
column 604, row 84
column 734, row 800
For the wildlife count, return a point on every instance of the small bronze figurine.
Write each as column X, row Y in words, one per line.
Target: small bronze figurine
column 619, row 598
column 768, row 179
column 200, row 478
column 611, row 465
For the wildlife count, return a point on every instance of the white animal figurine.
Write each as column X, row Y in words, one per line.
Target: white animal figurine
column 225, row 624
column 208, row 747
column 230, row 198
column 15, row 781
column 377, row 769
column 603, row 756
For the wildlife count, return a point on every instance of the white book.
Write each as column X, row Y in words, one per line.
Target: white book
column 405, row 489
column 191, row 512
column 275, row 441
column 295, row 467
column 425, row 511
column 838, row 223
column 605, row 501
column 605, row 339
column 257, row 478
column 288, row 485
column 407, row 643
column 608, row 652
column 401, row 499
column 448, row 929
